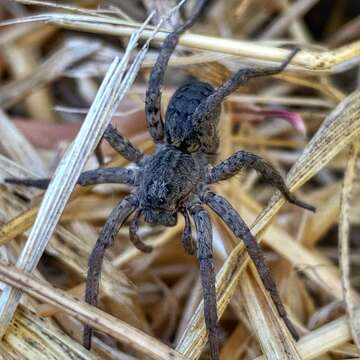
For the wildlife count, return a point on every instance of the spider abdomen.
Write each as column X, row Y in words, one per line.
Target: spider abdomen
column 181, row 130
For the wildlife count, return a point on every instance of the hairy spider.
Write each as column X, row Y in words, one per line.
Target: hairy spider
column 177, row 178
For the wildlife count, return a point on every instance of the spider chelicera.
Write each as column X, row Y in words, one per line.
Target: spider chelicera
column 176, row 179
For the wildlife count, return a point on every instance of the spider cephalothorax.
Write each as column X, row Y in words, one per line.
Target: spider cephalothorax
column 167, row 178
column 177, row 177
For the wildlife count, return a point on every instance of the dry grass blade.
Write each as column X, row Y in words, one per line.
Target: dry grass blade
column 47, row 71
column 111, row 91
column 13, row 34
column 332, row 61
column 18, row 147
column 338, row 130
column 29, row 337
column 98, row 319
column 274, row 339
column 323, row 339
column 327, row 215
column 9, row 168
column 281, row 23
column 351, row 172
column 282, row 100
column 18, row 225
column 60, row 6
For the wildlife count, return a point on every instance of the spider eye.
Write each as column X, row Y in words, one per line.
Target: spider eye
column 167, row 189
column 192, row 147
column 175, row 142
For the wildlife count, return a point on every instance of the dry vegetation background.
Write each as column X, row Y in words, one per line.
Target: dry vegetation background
column 306, row 121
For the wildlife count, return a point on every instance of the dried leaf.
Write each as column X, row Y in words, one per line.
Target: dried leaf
column 352, row 171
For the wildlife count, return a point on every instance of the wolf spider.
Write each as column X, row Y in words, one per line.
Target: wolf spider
column 176, row 179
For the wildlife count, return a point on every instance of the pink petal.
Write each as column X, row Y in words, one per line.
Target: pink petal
column 293, row 118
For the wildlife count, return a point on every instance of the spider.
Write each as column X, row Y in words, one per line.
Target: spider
column 176, row 179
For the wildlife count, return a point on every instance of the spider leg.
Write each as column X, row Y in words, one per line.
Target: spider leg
column 243, row 159
column 207, row 272
column 134, row 238
column 242, row 76
column 187, row 240
column 233, row 220
column 117, row 217
column 99, row 176
column 153, row 93
column 122, row 145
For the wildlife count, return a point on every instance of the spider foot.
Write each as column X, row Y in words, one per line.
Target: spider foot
column 189, row 246
column 187, row 241
column 293, row 200
column 291, row 328
column 37, row 183
column 287, row 61
column 88, row 331
column 134, row 237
